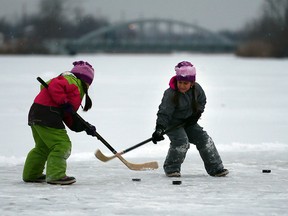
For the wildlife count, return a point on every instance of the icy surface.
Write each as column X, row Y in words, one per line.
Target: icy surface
column 246, row 116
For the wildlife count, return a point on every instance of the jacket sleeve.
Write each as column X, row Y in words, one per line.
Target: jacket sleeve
column 63, row 91
column 166, row 108
column 73, row 122
column 201, row 97
column 57, row 90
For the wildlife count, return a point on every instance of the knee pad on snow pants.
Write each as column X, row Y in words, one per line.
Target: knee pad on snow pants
column 177, row 152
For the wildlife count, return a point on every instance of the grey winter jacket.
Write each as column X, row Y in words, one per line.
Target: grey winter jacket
column 170, row 113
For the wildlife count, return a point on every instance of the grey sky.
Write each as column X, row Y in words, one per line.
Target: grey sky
column 211, row 14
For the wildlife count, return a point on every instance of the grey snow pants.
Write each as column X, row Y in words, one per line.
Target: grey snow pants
column 179, row 145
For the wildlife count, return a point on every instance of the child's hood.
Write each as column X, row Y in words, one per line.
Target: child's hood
column 173, row 83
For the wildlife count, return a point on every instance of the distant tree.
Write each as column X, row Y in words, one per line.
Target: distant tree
column 4, row 26
column 268, row 35
column 51, row 21
column 54, row 22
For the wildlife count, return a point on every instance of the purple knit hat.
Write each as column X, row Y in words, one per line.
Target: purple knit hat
column 84, row 71
column 185, row 71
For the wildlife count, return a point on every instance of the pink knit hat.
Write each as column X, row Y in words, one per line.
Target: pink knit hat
column 185, row 71
column 84, row 71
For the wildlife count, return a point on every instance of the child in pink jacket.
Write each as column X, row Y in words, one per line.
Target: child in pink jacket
column 52, row 108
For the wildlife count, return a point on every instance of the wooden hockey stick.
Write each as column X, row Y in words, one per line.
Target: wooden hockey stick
column 105, row 158
column 144, row 166
column 138, row 167
column 132, row 166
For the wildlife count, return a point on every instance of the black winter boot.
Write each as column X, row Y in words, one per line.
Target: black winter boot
column 220, row 173
column 40, row 179
column 67, row 180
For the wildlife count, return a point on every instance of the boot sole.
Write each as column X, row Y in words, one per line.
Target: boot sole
column 36, row 181
column 222, row 174
column 176, row 174
column 62, row 182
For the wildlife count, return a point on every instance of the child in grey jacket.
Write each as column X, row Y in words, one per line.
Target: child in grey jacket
column 185, row 101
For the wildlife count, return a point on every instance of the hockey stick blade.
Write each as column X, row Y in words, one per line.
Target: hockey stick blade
column 138, row 167
column 103, row 157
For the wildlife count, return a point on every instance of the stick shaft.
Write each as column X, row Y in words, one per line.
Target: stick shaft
column 105, row 158
column 42, row 82
column 135, row 146
column 150, row 139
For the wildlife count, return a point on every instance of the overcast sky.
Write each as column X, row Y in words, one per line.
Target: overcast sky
column 211, row 14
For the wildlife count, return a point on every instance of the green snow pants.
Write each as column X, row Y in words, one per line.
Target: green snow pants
column 51, row 145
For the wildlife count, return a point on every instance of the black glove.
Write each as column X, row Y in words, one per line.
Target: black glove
column 67, row 107
column 193, row 119
column 91, row 130
column 158, row 134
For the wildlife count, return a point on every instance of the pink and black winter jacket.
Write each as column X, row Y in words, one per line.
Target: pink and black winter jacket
column 46, row 109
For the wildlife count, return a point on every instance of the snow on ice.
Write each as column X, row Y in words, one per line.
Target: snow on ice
column 246, row 116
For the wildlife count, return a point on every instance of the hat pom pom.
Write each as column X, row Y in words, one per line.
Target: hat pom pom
column 184, row 63
column 82, row 63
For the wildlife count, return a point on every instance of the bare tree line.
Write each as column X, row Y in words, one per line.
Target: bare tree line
column 267, row 36
column 52, row 22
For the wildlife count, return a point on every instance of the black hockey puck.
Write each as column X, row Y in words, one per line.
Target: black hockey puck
column 176, row 182
column 266, row 171
column 136, row 179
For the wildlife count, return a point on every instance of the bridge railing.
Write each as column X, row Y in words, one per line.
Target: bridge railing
column 135, row 36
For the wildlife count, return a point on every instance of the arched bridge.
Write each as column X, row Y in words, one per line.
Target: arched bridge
column 150, row 35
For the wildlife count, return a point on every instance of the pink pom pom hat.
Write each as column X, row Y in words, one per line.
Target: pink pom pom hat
column 185, row 71
column 84, row 71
